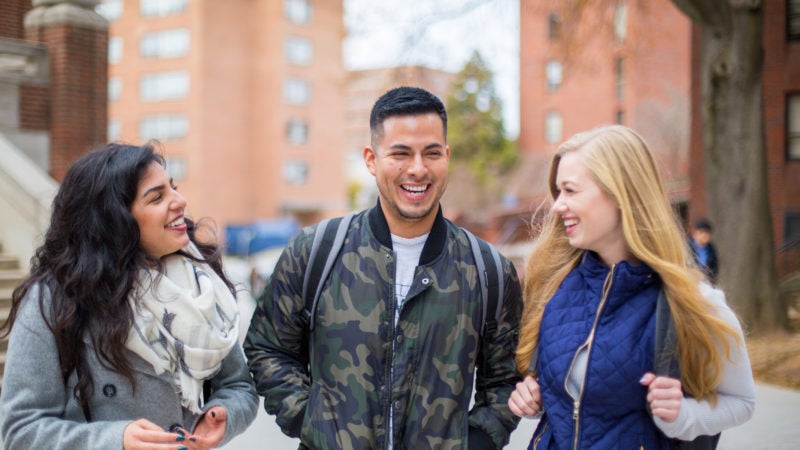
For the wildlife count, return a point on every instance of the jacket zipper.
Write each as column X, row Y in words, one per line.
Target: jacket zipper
column 539, row 437
column 390, row 364
column 576, row 410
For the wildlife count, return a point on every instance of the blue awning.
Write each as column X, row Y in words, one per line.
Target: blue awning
column 247, row 239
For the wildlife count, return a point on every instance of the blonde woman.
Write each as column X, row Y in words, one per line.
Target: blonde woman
column 609, row 248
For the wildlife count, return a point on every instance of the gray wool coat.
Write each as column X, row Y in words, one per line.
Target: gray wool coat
column 38, row 411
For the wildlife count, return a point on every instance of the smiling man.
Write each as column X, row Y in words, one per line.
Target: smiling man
column 398, row 336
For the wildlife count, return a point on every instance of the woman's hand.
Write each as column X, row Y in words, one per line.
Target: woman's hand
column 142, row 434
column 210, row 429
column 526, row 400
column 664, row 395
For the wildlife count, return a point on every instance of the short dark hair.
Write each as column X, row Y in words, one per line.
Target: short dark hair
column 703, row 224
column 402, row 101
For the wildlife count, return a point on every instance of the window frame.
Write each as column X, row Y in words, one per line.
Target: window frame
column 161, row 86
column 295, row 137
column 165, row 44
column 554, row 26
column 297, row 91
column 165, row 121
column 162, row 8
column 548, row 134
column 792, row 135
column 295, row 171
column 298, row 11
column 298, row 50
column 552, row 85
column 793, row 18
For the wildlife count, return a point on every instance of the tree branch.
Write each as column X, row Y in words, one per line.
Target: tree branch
column 713, row 13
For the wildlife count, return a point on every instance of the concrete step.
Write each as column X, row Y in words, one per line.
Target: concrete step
column 8, row 262
column 10, row 278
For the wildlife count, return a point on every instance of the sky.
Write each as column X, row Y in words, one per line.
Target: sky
column 440, row 34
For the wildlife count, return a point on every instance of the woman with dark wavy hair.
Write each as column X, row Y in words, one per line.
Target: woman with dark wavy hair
column 125, row 333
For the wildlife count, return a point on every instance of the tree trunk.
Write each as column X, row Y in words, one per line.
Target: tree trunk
column 735, row 157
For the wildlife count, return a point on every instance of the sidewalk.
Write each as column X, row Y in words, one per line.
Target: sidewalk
column 775, row 426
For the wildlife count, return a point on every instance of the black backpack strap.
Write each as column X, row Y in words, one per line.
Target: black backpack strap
column 533, row 365
column 328, row 240
column 490, row 275
column 665, row 361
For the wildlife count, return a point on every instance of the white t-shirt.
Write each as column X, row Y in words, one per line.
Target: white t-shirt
column 408, row 251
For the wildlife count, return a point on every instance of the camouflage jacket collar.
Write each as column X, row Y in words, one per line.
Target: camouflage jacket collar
column 433, row 246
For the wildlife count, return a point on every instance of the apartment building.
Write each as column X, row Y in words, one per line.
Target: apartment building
column 246, row 97
column 581, row 69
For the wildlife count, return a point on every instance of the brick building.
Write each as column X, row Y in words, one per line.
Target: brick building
column 247, row 98
column 781, row 94
column 782, row 128
column 607, row 66
column 54, row 77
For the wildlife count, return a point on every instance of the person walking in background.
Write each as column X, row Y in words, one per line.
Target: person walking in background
column 125, row 333
column 397, row 339
column 704, row 251
column 609, row 253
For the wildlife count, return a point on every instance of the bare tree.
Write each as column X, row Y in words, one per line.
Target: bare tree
column 731, row 66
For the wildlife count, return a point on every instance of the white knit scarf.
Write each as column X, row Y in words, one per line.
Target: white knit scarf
column 186, row 321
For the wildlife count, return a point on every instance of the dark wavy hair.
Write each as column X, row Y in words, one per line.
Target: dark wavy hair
column 90, row 260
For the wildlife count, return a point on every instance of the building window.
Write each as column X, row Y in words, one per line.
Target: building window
column 176, row 168
column 165, row 44
column 791, row 230
column 295, row 172
column 298, row 50
column 793, row 20
column 164, row 86
column 793, row 127
column 552, row 127
column 554, row 26
column 554, row 73
column 114, row 129
column 297, row 132
column 114, row 88
column 163, row 127
column 110, row 9
column 619, row 77
column 620, row 22
column 161, row 7
column 297, row 11
column 296, row 91
column 114, row 49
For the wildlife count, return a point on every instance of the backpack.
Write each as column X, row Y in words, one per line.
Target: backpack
column 666, row 362
column 329, row 239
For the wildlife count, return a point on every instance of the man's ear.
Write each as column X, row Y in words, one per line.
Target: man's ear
column 369, row 159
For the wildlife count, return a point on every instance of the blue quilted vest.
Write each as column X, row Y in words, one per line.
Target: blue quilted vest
column 611, row 413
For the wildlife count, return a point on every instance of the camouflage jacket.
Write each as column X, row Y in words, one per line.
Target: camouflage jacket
column 358, row 378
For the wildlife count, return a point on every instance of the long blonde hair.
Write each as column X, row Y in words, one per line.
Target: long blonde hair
column 625, row 169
